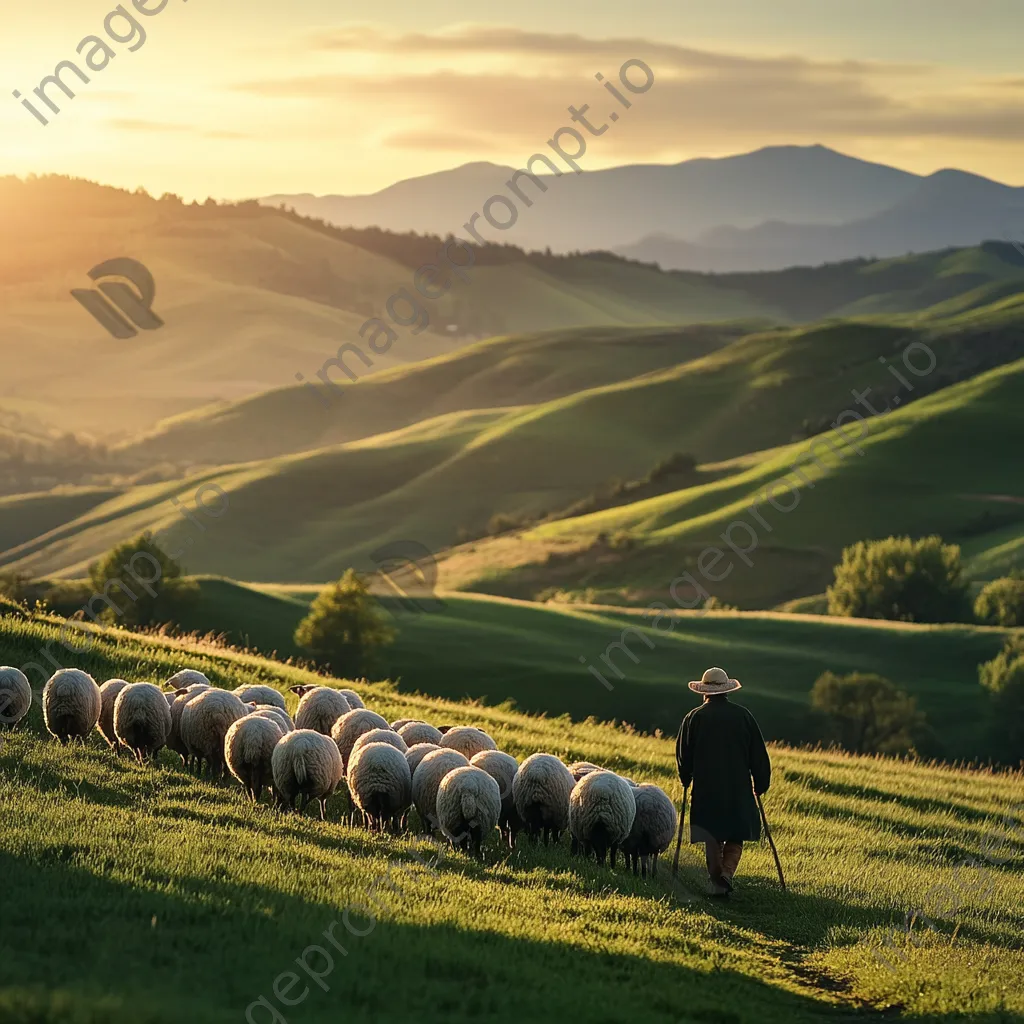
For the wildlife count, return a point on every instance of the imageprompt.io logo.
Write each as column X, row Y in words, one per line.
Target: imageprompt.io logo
column 121, row 308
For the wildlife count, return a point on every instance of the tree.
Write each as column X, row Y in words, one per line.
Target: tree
column 138, row 584
column 867, row 714
column 1001, row 602
column 1003, row 678
column 900, row 578
column 344, row 626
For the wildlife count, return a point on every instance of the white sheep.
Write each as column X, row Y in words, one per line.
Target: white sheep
column 426, row 779
column 277, row 715
column 467, row 740
column 109, row 693
column 468, row 808
column 353, row 698
column 417, row 752
column 502, row 768
column 71, row 704
column 260, row 694
column 186, row 678
column 305, row 763
column 204, row 724
column 380, row 783
column 399, row 722
column 142, row 719
column 580, row 768
column 350, row 726
column 180, row 698
column 601, row 813
column 249, row 749
column 541, row 793
column 15, row 696
column 652, row 831
column 319, row 708
column 419, row 732
column 388, row 736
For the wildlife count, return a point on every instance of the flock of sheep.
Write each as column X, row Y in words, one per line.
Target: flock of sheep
column 455, row 777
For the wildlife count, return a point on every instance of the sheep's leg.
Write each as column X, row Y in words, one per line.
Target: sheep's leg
column 323, row 808
column 614, row 851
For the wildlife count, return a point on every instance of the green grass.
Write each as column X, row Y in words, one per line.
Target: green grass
column 529, row 653
column 142, row 894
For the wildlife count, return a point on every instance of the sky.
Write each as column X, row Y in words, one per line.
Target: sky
column 239, row 98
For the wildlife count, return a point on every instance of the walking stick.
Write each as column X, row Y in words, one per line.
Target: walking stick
column 771, row 842
column 679, row 835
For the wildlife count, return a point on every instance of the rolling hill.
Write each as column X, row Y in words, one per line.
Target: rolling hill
column 250, row 297
column 530, row 654
column 105, row 918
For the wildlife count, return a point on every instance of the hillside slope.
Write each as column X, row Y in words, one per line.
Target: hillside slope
column 105, row 918
column 937, row 465
column 530, row 653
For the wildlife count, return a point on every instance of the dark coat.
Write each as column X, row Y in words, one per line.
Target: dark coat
column 718, row 750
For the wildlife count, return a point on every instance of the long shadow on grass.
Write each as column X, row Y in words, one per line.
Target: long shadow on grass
column 79, row 947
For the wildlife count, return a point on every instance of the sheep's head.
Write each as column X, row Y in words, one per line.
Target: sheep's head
column 301, row 690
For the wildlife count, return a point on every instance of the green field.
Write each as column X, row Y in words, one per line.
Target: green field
column 497, row 650
column 141, row 894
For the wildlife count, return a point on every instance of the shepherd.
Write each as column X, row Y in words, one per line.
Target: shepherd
column 719, row 750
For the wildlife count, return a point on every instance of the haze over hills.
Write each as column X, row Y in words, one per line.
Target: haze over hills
column 775, row 207
column 251, row 297
column 529, row 427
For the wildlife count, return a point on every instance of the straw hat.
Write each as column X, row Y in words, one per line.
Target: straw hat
column 714, row 680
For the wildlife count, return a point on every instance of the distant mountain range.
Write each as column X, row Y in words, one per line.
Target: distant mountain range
column 776, row 207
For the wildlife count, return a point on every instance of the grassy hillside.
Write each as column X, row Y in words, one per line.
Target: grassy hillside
column 107, row 918
column 310, row 515
column 529, row 653
column 935, row 466
column 250, row 297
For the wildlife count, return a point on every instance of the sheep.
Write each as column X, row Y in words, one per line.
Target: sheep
column 541, row 793
column 601, row 813
column 142, row 719
column 181, row 697
column 109, row 692
column 319, row 708
column 71, row 704
column 580, row 768
column 186, row 679
column 468, row 808
column 417, row 752
column 388, row 736
column 652, row 831
column 399, row 722
column 15, row 696
column 427, row 777
column 249, row 748
column 351, row 726
column 419, row 732
column 353, row 698
column 305, row 763
column 275, row 714
column 502, row 768
column 260, row 695
column 204, row 724
column 467, row 740
column 380, row 782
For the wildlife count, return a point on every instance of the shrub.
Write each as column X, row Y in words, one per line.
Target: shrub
column 344, row 627
column 1001, row 602
column 867, row 714
column 902, row 579
column 139, row 584
column 1003, row 678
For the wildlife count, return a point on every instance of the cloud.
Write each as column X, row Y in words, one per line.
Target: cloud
column 512, row 87
column 135, row 124
column 447, row 141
